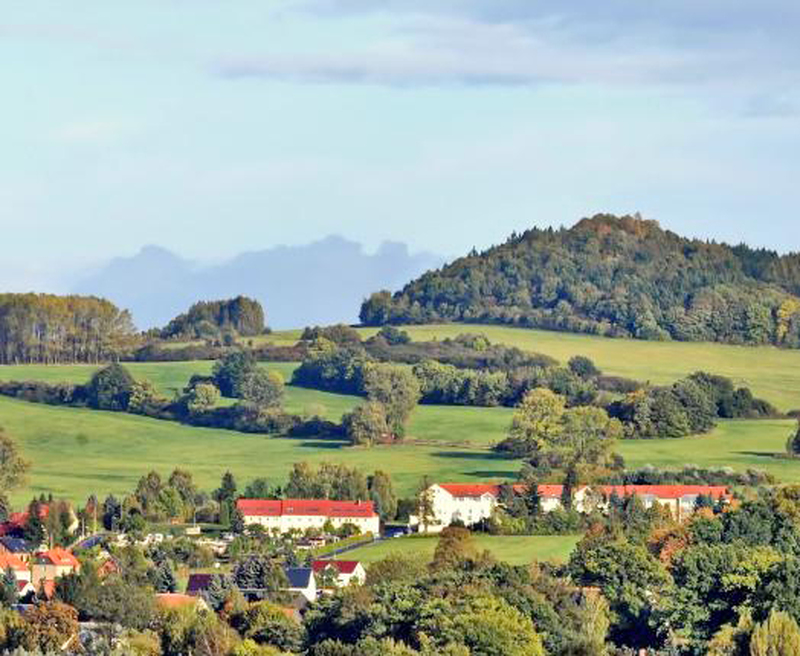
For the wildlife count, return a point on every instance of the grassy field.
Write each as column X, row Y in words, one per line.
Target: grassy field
column 771, row 373
column 736, row 444
column 515, row 549
column 76, row 452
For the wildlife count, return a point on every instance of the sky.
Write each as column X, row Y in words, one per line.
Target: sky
column 212, row 127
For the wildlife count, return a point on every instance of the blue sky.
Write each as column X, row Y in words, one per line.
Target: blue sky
column 213, row 127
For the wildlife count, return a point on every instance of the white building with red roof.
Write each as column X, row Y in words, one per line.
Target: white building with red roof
column 469, row 503
column 344, row 572
column 53, row 564
column 9, row 561
column 285, row 515
column 681, row 500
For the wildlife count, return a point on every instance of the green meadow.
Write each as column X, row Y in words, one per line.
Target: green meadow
column 514, row 549
column 771, row 373
column 76, row 452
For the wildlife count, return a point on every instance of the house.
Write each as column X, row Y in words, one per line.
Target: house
column 679, row 499
column 52, row 564
column 18, row 547
column 16, row 521
column 284, row 515
column 470, row 503
column 177, row 600
column 9, row 561
column 344, row 571
column 302, row 581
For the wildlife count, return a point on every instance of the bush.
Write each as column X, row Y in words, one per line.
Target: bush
column 110, row 388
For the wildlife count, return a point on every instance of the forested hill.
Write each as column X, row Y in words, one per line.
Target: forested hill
column 615, row 276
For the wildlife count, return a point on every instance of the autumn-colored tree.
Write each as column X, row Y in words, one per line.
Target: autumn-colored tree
column 51, row 627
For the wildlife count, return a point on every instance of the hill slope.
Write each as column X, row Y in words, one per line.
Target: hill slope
column 614, row 276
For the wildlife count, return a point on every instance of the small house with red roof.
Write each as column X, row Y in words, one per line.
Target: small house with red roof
column 285, row 515
column 53, row 564
column 9, row 561
column 343, row 572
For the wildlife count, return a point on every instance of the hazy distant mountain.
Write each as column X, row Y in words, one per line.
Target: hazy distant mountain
column 318, row 283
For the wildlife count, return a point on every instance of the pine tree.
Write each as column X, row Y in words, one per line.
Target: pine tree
column 33, row 531
column 8, row 589
column 163, row 578
column 570, row 483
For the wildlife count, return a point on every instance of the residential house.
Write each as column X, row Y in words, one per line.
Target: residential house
column 18, row 547
column 53, row 564
column 302, row 581
column 284, row 515
column 9, row 561
column 343, row 572
column 679, row 499
column 469, row 503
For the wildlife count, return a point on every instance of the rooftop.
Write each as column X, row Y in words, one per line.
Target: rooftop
column 304, row 507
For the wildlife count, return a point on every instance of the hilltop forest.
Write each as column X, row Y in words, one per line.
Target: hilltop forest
column 611, row 276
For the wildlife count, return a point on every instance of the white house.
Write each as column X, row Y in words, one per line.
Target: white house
column 345, row 571
column 284, row 515
column 679, row 499
column 302, row 581
column 470, row 503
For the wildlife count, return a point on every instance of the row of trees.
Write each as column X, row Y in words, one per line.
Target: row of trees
column 43, row 328
column 615, row 276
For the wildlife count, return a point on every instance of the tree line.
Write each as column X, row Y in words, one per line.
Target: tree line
column 612, row 276
column 43, row 328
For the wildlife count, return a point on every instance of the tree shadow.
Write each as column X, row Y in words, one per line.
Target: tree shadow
column 319, row 444
column 760, row 454
column 471, row 455
column 490, row 473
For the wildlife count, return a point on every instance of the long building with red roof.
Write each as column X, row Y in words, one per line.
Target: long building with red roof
column 470, row 503
column 284, row 515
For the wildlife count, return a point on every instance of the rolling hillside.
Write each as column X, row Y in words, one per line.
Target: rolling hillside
column 614, row 276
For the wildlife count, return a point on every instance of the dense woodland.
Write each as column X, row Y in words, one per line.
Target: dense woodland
column 240, row 316
column 50, row 329
column 613, row 276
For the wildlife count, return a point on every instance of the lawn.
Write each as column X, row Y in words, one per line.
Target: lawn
column 513, row 549
column 736, row 444
column 446, row 424
column 770, row 372
column 77, row 452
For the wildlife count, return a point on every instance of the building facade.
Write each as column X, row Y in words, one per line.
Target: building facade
column 470, row 503
column 285, row 515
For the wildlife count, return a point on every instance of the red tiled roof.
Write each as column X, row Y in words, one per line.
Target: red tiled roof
column 60, row 557
column 305, row 507
column 10, row 561
column 479, row 489
column 344, row 566
column 19, row 519
column 666, row 491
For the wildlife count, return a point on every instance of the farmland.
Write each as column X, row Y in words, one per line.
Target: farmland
column 770, row 372
column 76, row 452
column 516, row 550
